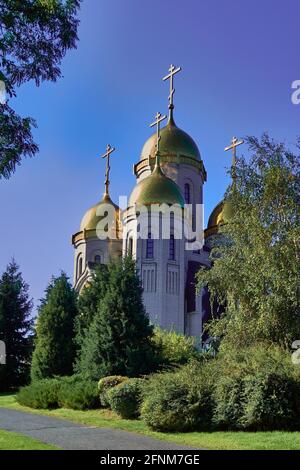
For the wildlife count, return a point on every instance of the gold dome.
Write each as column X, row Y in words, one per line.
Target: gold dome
column 220, row 215
column 174, row 141
column 156, row 189
column 91, row 219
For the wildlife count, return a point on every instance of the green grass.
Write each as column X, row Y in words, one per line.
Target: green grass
column 13, row 441
column 215, row 440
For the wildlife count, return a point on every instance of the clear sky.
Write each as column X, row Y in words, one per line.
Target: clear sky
column 239, row 58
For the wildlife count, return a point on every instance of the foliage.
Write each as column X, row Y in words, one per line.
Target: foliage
column 41, row 394
column 54, row 346
column 256, row 268
column 89, row 302
column 34, row 37
column 179, row 401
column 69, row 392
column 119, row 338
column 257, row 388
column 106, row 384
column 78, row 395
column 15, row 328
column 173, row 349
column 125, row 398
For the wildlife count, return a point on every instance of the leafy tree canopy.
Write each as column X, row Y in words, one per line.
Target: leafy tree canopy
column 256, row 267
column 34, row 37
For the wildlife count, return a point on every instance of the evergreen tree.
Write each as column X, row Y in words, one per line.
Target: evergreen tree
column 54, row 351
column 119, row 338
column 15, row 328
column 256, row 269
column 89, row 302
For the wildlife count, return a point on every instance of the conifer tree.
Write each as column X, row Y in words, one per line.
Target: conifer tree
column 54, row 351
column 88, row 303
column 119, row 338
column 15, row 328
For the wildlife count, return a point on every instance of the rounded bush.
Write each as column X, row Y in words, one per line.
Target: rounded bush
column 105, row 384
column 125, row 398
column 272, row 401
column 179, row 401
column 257, row 388
column 42, row 394
column 79, row 395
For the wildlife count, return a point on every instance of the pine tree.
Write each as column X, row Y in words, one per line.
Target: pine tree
column 15, row 328
column 119, row 338
column 89, row 302
column 54, row 351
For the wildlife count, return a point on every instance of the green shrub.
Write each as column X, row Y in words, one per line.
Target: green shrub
column 229, row 402
column 179, row 401
column 125, row 398
column 272, row 401
column 78, row 395
column 257, row 388
column 42, row 394
column 105, row 384
column 173, row 349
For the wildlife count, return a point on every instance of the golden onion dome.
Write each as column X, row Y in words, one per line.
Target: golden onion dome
column 91, row 219
column 156, row 189
column 220, row 215
column 216, row 217
column 174, row 141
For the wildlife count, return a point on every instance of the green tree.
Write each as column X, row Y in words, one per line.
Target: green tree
column 119, row 338
column 54, row 351
column 15, row 328
column 89, row 302
column 256, row 268
column 34, row 37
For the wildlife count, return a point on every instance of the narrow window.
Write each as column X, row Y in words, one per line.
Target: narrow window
column 98, row 259
column 187, row 193
column 150, row 247
column 130, row 246
column 172, row 248
column 79, row 266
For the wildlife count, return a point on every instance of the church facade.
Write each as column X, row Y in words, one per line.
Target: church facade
column 161, row 227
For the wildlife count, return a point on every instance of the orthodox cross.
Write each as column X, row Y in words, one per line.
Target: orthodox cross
column 173, row 70
column 158, row 119
column 109, row 151
column 234, row 144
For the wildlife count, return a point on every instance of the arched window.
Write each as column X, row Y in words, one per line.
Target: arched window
column 98, row 259
column 187, row 193
column 130, row 246
column 79, row 266
column 172, row 248
column 150, row 247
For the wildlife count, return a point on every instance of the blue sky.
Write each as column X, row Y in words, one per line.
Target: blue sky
column 239, row 59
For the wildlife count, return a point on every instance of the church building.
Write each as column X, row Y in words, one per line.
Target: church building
column 170, row 175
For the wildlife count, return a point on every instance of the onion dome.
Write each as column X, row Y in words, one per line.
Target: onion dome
column 174, row 142
column 91, row 219
column 156, row 189
column 220, row 215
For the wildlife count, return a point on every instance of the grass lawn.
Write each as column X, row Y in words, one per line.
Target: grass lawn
column 13, row 441
column 215, row 440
